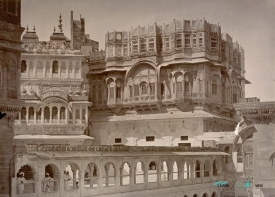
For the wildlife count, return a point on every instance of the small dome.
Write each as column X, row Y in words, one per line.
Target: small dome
column 77, row 93
column 84, row 93
column 23, row 91
column 58, row 36
column 30, row 36
column 70, row 92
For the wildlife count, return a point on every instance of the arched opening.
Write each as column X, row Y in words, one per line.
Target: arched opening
column 62, row 114
column 71, row 177
column 31, row 115
column 112, row 90
column 50, row 182
column 188, row 84
column 175, row 171
column 125, row 174
column 54, row 115
column 38, row 116
column 119, row 88
column 187, row 170
column 110, row 175
column 164, row 171
column 206, row 168
column 214, row 194
column 215, row 169
column 152, row 172
column 91, row 176
column 139, row 173
column 143, row 87
column 162, row 89
column 226, row 157
column 197, row 169
column 23, row 66
column 179, row 80
column 23, row 114
column 46, row 115
column 55, row 67
column 204, row 195
column 195, row 195
column 25, row 180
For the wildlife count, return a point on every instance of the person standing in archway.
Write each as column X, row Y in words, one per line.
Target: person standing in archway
column 47, row 181
column 20, row 182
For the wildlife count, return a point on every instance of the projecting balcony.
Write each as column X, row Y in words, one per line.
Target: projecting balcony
column 143, row 102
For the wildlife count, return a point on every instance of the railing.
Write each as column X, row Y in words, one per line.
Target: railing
column 50, row 186
column 91, row 182
column 28, row 188
column 50, row 147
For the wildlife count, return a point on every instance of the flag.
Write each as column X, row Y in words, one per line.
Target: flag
column 237, row 129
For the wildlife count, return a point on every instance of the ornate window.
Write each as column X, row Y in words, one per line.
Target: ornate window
column 143, row 88
column 206, row 168
column 151, row 44
column 197, row 169
column 164, row 171
column 62, row 113
column 187, row 170
column 187, row 40
column 166, row 43
column 194, row 43
column 54, row 113
column 55, row 67
column 179, row 79
column 118, row 90
column 46, row 114
column 112, row 90
column 214, row 87
column 109, row 175
column 125, row 174
column 152, row 172
column 152, row 88
column 91, row 176
column 111, row 51
column 143, row 45
column 125, row 50
column 23, row 66
column 215, row 169
column 178, row 40
column 31, row 113
column 23, row 113
column 139, row 173
column 175, row 171
column 187, row 84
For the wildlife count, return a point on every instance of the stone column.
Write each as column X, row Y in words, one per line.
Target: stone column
column 66, row 115
column 58, row 115
column 86, row 114
column 100, row 175
column 42, row 115
column 27, row 114
column 50, row 114
column 40, row 178
column 192, row 169
column 34, row 116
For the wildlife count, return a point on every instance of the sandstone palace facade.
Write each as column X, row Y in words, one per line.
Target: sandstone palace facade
column 153, row 114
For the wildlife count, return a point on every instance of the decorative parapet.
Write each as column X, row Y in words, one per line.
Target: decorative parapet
column 78, row 98
column 50, row 147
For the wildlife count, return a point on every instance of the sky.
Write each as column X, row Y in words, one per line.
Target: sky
column 250, row 22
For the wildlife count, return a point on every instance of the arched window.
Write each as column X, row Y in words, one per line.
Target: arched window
column 62, row 113
column 179, row 79
column 187, row 83
column 118, row 90
column 125, row 174
column 91, row 176
column 206, row 168
column 46, row 115
column 38, row 116
column 112, row 90
column 54, row 113
column 186, row 171
column 109, row 175
column 52, row 175
column 164, row 171
column 214, row 194
column 215, row 169
column 28, row 179
column 139, row 173
column 143, row 87
column 23, row 114
column 152, row 172
column 55, row 67
column 197, row 169
column 214, row 87
column 175, row 171
column 31, row 113
column 71, row 177
column 204, row 195
column 23, row 66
